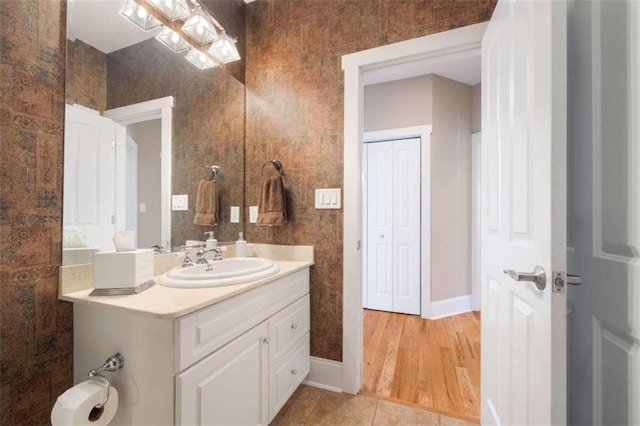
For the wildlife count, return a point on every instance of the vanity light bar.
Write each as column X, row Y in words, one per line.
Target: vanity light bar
column 209, row 43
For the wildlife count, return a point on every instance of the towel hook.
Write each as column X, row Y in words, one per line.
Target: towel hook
column 276, row 165
column 213, row 169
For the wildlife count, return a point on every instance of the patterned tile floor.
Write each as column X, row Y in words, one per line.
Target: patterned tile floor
column 313, row 406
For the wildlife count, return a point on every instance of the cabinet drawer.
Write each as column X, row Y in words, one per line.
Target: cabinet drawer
column 286, row 375
column 286, row 327
column 202, row 332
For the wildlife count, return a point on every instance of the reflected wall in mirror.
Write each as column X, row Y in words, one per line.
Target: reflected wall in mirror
column 206, row 127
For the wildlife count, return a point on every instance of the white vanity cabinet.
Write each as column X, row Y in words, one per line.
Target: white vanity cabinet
column 246, row 378
column 234, row 362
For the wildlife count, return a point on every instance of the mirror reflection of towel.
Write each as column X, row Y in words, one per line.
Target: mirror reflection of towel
column 206, row 203
column 272, row 206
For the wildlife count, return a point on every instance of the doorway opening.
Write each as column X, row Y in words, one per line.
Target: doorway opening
column 400, row 61
column 417, row 239
column 143, row 170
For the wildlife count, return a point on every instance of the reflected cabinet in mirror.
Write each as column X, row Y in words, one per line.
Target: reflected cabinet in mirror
column 143, row 125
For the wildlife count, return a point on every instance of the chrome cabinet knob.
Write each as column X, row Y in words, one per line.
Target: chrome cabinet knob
column 537, row 276
column 294, row 372
column 267, row 340
column 294, row 326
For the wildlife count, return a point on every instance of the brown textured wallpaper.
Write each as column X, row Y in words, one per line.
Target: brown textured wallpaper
column 86, row 76
column 208, row 125
column 36, row 339
column 294, row 86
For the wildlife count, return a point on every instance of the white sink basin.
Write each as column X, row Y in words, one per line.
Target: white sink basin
column 236, row 270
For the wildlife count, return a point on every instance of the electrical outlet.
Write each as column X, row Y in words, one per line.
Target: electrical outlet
column 253, row 214
column 235, row 214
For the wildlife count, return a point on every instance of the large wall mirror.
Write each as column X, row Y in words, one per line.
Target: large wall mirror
column 142, row 125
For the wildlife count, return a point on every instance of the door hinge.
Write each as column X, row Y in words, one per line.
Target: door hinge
column 358, row 244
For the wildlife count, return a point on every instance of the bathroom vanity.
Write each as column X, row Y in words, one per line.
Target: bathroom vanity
column 225, row 355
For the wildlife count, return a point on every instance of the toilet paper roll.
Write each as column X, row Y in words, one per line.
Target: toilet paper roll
column 75, row 405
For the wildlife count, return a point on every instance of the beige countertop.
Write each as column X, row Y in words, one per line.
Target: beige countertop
column 168, row 302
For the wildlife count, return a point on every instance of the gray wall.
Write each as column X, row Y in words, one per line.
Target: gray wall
column 147, row 136
column 401, row 103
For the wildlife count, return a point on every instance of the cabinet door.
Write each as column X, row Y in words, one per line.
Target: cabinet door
column 229, row 387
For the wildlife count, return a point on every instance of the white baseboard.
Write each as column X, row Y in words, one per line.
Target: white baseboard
column 325, row 374
column 452, row 306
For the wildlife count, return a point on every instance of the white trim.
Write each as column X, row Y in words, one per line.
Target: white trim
column 476, row 209
column 144, row 111
column 451, row 306
column 325, row 374
column 355, row 66
column 424, row 133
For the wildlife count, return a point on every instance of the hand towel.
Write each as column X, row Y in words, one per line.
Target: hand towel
column 272, row 205
column 206, row 203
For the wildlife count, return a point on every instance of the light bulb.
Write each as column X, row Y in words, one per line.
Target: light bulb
column 167, row 3
column 128, row 12
column 202, row 57
column 199, row 28
column 142, row 14
column 174, row 37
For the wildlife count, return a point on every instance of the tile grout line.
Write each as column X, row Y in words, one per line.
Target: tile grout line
column 306, row 422
column 375, row 413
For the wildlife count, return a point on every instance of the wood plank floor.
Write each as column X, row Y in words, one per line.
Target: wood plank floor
column 434, row 364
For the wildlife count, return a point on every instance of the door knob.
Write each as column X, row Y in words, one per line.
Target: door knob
column 537, row 276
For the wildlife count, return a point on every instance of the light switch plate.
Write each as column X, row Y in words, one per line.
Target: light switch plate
column 253, row 214
column 142, row 208
column 235, row 214
column 180, row 202
column 330, row 198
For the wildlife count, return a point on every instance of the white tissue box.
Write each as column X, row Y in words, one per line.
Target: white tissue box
column 122, row 269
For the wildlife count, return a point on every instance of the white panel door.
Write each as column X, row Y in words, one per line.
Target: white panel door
column 89, row 175
column 604, row 177
column 379, row 270
column 229, row 387
column 523, row 213
column 393, row 225
column 406, row 226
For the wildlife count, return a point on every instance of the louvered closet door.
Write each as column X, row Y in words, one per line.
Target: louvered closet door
column 393, row 226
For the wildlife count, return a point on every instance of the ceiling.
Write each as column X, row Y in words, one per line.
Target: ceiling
column 97, row 23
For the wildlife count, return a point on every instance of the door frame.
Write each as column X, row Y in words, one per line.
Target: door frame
column 357, row 67
column 160, row 108
column 424, row 133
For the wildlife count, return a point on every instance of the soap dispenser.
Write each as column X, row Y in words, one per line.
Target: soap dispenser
column 211, row 241
column 241, row 246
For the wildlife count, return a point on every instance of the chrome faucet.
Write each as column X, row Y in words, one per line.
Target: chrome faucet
column 202, row 255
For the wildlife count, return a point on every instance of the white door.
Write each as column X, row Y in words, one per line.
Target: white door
column 393, row 225
column 523, row 213
column 229, row 387
column 604, row 207
column 89, row 178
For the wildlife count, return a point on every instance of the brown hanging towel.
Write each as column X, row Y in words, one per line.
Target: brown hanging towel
column 272, row 205
column 206, row 203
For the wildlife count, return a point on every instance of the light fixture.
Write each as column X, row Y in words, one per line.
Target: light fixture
column 172, row 40
column 172, row 9
column 137, row 14
column 224, row 49
column 200, row 27
column 200, row 59
column 195, row 28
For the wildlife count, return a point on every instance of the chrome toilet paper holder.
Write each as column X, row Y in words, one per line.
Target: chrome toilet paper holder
column 113, row 363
